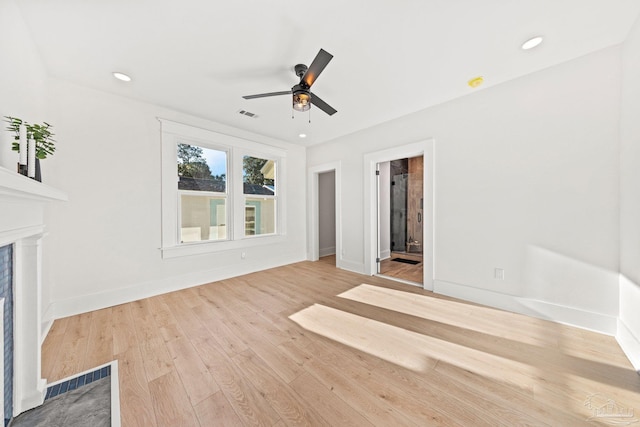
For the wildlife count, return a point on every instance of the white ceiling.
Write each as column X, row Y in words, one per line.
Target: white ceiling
column 391, row 58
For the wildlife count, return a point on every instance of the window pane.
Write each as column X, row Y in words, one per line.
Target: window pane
column 258, row 176
column 203, row 218
column 201, row 169
column 259, row 216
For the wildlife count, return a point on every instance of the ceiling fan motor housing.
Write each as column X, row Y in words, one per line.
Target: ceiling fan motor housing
column 300, row 69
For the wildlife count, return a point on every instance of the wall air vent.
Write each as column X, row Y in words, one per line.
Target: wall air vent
column 248, row 114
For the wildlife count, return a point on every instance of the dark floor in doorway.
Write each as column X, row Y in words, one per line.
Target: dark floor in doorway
column 406, row 261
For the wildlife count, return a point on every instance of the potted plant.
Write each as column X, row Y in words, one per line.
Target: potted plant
column 40, row 133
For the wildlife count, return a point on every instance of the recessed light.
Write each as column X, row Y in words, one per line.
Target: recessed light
column 122, row 76
column 531, row 43
column 303, row 135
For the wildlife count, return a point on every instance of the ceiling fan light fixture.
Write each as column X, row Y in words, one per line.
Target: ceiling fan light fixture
column 301, row 101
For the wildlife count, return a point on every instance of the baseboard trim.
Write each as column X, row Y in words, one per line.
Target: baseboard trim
column 629, row 343
column 572, row 316
column 97, row 301
column 31, row 400
column 327, row 251
column 354, row 267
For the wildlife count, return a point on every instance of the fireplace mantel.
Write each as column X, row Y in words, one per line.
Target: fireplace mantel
column 16, row 186
column 22, row 224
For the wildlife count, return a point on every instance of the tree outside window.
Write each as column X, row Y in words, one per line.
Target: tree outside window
column 195, row 166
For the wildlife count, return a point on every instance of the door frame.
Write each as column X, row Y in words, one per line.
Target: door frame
column 313, row 238
column 425, row 148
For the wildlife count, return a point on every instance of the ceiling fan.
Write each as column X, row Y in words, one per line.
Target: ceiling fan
column 303, row 98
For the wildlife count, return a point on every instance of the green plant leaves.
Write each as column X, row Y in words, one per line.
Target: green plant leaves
column 41, row 133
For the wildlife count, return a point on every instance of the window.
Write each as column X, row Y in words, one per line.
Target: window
column 202, row 175
column 218, row 192
column 259, row 189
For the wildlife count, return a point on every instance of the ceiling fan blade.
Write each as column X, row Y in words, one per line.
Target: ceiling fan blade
column 315, row 100
column 264, row 95
column 319, row 62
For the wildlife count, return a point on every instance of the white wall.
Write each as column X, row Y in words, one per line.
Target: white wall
column 23, row 75
column 526, row 180
column 22, row 94
column 107, row 237
column 22, row 79
column 327, row 213
column 629, row 326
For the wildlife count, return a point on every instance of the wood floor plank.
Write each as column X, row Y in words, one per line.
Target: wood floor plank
column 506, row 396
column 195, row 376
column 310, row 344
column 74, row 345
column 279, row 395
column 217, row 411
column 124, row 333
column 332, row 408
column 145, row 326
column 52, row 347
column 157, row 360
column 404, row 271
column 259, row 336
column 136, row 406
column 170, row 401
column 185, row 318
column 59, row 327
column 406, row 395
column 164, row 319
column 100, row 339
column 229, row 341
column 249, row 404
column 373, row 408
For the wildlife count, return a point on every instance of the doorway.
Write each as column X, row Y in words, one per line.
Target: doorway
column 400, row 219
column 324, row 183
column 372, row 162
column 327, row 217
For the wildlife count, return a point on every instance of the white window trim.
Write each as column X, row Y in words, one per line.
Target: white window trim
column 171, row 134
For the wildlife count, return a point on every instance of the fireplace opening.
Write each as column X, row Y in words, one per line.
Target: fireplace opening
column 6, row 292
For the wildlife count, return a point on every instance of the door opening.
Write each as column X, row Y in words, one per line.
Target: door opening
column 372, row 161
column 327, row 217
column 400, row 219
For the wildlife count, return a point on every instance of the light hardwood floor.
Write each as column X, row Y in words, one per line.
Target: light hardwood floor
column 308, row 344
column 410, row 272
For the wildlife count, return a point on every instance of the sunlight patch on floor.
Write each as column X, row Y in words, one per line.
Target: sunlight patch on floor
column 444, row 311
column 405, row 348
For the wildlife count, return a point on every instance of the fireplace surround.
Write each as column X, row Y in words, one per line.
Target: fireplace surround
column 22, row 226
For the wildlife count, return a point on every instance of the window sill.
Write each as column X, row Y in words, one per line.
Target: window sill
column 200, row 248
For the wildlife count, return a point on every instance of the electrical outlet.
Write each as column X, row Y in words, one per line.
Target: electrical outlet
column 499, row 273
column 243, row 255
